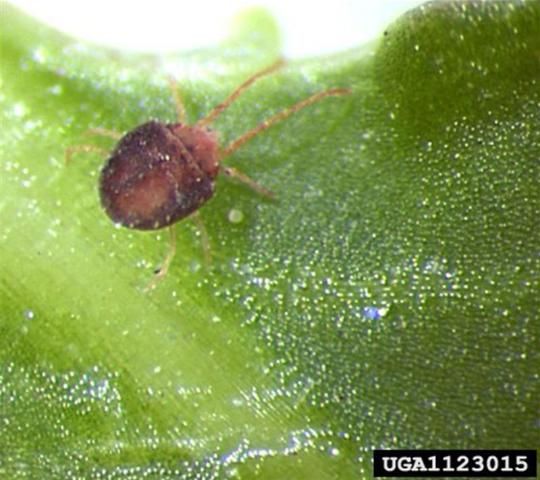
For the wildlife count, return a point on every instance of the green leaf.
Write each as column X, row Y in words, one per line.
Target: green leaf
column 388, row 298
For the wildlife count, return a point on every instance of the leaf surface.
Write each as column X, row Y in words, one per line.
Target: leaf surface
column 387, row 299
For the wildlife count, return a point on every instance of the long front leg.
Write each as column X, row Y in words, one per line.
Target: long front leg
column 237, row 92
column 278, row 117
column 178, row 104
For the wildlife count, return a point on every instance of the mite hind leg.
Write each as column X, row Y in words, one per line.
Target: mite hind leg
column 87, row 148
column 70, row 151
column 242, row 177
column 162, row 271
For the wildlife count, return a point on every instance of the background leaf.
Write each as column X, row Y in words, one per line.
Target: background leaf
column 388, row 299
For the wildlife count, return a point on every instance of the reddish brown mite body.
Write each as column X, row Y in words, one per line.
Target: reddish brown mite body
column 160, row 172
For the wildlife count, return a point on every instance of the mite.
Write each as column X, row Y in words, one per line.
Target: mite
column 160, row 173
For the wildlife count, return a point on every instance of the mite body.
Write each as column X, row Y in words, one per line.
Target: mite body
column 160, row 173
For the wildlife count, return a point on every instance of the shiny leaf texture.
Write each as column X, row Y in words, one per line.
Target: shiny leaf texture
column 387, row 299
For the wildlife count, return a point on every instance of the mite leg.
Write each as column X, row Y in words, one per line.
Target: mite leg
column 242, row 177
column 68, row 154
column 204, row 237
column 237, row 92
column 178, row 104
column 104, row 132
column 162, row 271
column 278, row 117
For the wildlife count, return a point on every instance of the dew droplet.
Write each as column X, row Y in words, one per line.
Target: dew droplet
column 235, row 215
